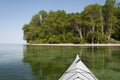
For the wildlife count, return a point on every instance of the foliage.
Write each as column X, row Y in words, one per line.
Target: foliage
column 95, row 24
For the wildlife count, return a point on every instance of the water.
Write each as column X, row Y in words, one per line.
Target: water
column 21, row 62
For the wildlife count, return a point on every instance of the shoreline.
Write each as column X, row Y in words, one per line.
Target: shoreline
column 75, row 45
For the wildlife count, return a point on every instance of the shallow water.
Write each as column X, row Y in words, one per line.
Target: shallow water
column 21, row 62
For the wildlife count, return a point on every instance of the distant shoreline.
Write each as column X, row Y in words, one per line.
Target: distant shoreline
column 75, row 44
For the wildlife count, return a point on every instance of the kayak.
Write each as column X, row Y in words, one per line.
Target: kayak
column 78, row 71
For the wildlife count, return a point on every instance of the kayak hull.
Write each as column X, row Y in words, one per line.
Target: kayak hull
column 78, row 71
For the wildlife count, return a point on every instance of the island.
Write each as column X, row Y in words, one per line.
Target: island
column 96, row 24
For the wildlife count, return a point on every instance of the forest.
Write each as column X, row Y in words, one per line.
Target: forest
column 95, row 24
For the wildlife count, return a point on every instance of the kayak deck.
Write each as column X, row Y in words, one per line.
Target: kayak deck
column 78, row 71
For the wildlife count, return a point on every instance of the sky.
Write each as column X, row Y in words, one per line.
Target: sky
column 15, row 13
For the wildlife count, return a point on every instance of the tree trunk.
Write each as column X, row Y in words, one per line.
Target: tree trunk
column 102, row 23
column 93, row 29
column 109, row 36
column 79, row 31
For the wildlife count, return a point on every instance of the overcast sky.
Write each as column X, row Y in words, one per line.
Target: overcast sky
column 15, row 13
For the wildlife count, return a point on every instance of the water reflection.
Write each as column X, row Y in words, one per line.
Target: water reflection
column 49, row 63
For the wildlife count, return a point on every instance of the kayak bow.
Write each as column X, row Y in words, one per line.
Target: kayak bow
column 78, row 71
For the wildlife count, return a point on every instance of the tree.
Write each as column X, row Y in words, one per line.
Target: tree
column 76, row 23
column 116, row 29
column 108, row 12
column 92, row 17
column 42, row 14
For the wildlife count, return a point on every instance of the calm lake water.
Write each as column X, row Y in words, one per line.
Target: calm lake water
column 21, row 62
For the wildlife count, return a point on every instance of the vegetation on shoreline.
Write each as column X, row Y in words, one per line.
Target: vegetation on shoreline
column 96, row 24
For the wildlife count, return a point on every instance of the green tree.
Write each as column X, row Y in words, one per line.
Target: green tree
column 108, row 12
column 116, row 29
column 42, row 14
column 92, row 17
column 76, row 23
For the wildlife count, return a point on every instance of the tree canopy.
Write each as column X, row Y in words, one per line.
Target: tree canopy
column 95, row 24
